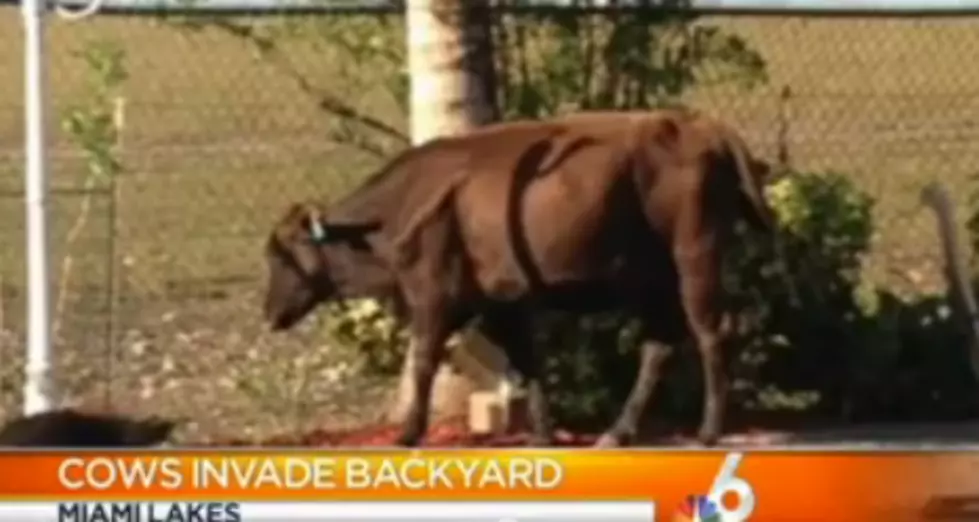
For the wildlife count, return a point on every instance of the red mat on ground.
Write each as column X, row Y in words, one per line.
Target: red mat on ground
column 443, row 434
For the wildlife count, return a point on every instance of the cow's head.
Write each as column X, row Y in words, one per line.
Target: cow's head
column 298, row 254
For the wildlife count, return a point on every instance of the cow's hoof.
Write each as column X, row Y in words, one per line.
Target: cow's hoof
column 708, row 438
column 608, row 440
column 407, row 441
column 540, row 441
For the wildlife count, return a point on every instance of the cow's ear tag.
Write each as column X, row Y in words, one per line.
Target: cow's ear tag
column 317, row 232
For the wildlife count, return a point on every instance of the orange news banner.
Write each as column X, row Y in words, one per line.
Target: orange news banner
column 788, row 486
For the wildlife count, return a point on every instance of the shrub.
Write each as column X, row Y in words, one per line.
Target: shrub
column 366, row 327
column 590, row 366
column 823, row 334
column 911, row 363
column 802, row 291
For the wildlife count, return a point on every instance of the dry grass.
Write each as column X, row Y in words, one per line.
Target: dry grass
column 216, row 144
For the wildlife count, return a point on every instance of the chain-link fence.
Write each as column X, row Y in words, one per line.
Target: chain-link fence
column 223, row 122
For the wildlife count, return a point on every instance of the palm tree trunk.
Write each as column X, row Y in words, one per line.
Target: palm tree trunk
column 450, row 60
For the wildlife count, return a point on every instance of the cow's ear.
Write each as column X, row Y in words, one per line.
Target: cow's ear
column 316, row 230
column 354, row 234
column 312, row 225
column 302, row 222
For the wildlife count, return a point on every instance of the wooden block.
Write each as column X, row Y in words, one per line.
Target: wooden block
column 489, row 415
column 485, row 413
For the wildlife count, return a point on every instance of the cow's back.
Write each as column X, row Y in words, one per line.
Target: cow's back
column 587, row 197
column 552, row 204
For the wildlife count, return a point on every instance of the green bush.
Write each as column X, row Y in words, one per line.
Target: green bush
column 830, row 343
column 366, row 327
column 590, row 366
column 911, row 362
column 801, row 290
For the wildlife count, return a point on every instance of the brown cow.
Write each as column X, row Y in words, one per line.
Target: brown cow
column 590, row 212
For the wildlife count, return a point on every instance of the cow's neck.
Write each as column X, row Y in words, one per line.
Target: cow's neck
column 357, row 273
column 372, row 200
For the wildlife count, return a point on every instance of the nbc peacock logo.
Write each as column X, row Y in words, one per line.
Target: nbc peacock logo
column 697, row 508
column 727, row 485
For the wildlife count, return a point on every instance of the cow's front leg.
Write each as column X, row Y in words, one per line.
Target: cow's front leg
column 424, row 357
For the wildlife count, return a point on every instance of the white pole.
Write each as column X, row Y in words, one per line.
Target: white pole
column 36, row 385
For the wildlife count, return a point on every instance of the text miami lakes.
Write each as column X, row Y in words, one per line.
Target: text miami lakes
column 241, row 473
column 149, row 512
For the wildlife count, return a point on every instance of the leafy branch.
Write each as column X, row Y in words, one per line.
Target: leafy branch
column 93, row 127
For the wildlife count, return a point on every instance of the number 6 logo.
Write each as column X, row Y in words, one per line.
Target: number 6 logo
column 726, row 482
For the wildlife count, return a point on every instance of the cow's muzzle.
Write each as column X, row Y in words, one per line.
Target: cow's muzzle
column 280, row 322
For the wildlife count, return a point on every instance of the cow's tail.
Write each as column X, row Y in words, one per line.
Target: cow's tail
column 751, row 187
column 750, row 182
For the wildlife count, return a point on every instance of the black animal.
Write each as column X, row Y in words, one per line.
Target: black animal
column 69, row 428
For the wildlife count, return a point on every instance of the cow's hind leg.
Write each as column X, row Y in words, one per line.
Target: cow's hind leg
column 699, row 271
column 511, row 329
column 655, row 348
